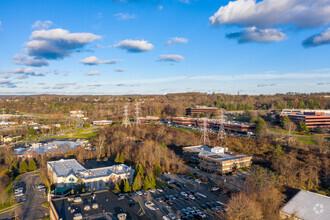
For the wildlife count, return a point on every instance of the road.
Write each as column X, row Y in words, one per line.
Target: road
column 31, row 209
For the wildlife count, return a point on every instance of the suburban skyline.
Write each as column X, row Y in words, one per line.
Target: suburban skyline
column 156, row 47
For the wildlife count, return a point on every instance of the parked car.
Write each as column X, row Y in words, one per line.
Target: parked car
column 198, row 181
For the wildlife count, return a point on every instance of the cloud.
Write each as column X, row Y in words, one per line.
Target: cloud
column 120, row 70
column 184, row 1
column 7, row 84
column 99, row 15
column 57, row 43
column 92, row 73
column 318, row 39
column 266, row 85
column 94, row 84
column 135, row 46
column 93, row 60
column 253, row 34
column 269, row 13
column 125, row 16
column 24, row 72
column 22, row 59
column 0, row 25
column 42, row 24
column 160, row 7
column 66, row 84
column 171, row 58
column 177, row 40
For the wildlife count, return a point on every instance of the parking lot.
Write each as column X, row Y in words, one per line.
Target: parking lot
column 190, row 201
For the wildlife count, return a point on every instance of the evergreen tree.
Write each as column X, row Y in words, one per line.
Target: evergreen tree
column 136, row 183
column 117, row 158
column 117, row 187
column 303, row 127
column 32, row 165
column 121, row 158
column 23, row 167
column 146, row 183
column 157, row 170
column 127, row 187
column 152, row 182
column 139, row 170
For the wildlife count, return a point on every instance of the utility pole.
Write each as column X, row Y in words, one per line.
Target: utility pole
column 137, row 112
column 221, row 132
column 205, row 137
column 125, row 121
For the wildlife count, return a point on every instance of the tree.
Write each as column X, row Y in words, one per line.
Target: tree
column 260, row 124
column 117, row 158
column 127, row 187
column 136, row 183
column 32, row 165
column 23, row 167
column 289, row 126
column 157, row 170
column 240, row 207
column 121, row 158
column 139, row 170
column 32, row 131
column 117, row 187
column 303, row 127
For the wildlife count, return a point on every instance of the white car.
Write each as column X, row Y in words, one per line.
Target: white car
column 139, row 193
column 197, row 181
column 214, row 189
column 191, row 197
column 152, row 190
column 184, row 194
column 160, row 190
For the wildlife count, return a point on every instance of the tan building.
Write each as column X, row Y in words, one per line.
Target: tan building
column 216, row 159
column 197, row 110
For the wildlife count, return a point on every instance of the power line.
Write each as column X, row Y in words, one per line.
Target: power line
column 205, row 137
column 221, row 131
column 125, row 121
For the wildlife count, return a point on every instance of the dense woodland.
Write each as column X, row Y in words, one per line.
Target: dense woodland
column 111, row 107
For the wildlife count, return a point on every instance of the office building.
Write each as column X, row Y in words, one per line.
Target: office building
column 215, row 159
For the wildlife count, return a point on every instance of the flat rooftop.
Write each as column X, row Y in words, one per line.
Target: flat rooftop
column 64, row 168
column 108, row 207
column 308, row 205
column 205, row 151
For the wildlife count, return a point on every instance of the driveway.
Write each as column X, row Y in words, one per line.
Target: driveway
column 31, row 209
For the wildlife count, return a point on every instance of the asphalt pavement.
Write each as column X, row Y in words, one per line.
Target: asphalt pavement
column 31, row 208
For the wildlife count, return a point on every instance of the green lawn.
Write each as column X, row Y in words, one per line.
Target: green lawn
column 307, row 140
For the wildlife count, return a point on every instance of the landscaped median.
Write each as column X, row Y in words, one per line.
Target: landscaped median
column 11, row 207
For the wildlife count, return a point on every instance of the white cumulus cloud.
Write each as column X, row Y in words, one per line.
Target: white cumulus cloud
column 318, row 39
column 177, row 40
column 93, row 60
column 57, row 43
column 135, row 46
column 269, row 13
column 253, row 34
column 171, row 58
column 22, row 59
column 92, row 73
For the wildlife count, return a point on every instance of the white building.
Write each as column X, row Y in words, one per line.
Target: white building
column 308, row 206
column 78, row 114
column 102, row 122
column 68, row 172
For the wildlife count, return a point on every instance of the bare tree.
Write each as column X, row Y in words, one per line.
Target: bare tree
column 290, row 126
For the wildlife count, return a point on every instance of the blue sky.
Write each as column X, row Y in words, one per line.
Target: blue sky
column 157, row 47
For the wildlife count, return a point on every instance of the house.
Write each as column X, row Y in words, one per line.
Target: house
column 70, row 172
column 102, row 122
column 306, row 205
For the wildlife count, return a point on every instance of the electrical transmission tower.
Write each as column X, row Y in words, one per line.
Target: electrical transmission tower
column 221, row 132
column 125, row 121
column 205, row 137
column 137, row 112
